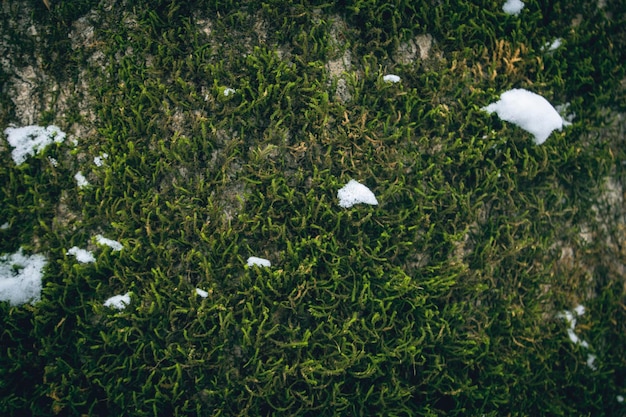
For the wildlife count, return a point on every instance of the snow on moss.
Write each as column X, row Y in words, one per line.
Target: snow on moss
column 253, row 260
column 118, row 301
column 202, row 293
column 83, row 256
column 20, row 277
column 81, row 180
column 529, row 111
column 113, row 244
column 355, row 193
column 513, row 7
column 30, row 140
column 391, row 78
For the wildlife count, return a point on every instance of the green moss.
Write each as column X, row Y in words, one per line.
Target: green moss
column 441, row 300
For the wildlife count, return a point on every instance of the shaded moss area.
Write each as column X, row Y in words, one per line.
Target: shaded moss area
column 442, row 300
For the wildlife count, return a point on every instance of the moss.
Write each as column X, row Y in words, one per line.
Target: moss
column 442, row 300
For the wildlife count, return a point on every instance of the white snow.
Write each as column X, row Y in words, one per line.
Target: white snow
column 20, row 277
column 570, row 317
column 554, row 45
column 579, row 310
column 29, row 140
column 513, row 7
column 354, row 193
column 529, row 111
column 573, row 337
column 83, row 256
column 591, row 359
column 391, row 78
column 113, row 244
column 118, row 301
column 253, row 260
column 202, row 293
column 81, row 181
column 99, row 160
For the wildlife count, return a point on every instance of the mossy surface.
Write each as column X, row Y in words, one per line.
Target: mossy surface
column 441, row 300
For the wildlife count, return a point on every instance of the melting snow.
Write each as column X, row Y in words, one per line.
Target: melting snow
column 570, row 318
column 99, row 160
column 29, row 140
column 354, row 193
column 391, row 78
column 554, row 45
column 579, row 310
column 118, row 301
column 253, row 260
column 591, row 359
column 513, row 7
column 529, row 111
column 202, row 293
column 575, row 339
column 113, row 244
column 20, row 277
column 83, row 256
column 81, row 181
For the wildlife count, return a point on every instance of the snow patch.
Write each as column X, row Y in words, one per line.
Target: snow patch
column 513, row 7
column 82, row 256
column 81, row 181
column 391, row 78
column 575, row 339
column 529, row 111
column 552, row 46
column 118, row 301
column 202, row 293
column 570, row 318
column 253, row 260
column 20, row 277
column 30, row 140
column 591, row 360
column 99, row 160
column 113, row 244
column 355, row 193
column 579, row 310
